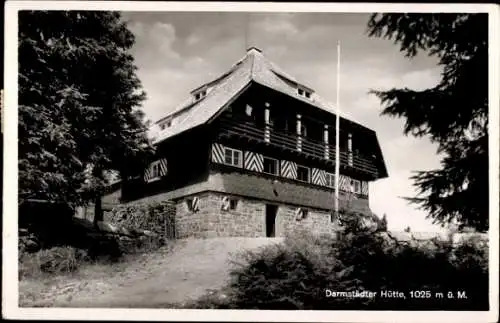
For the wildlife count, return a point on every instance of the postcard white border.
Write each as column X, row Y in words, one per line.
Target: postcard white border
column 9, row 254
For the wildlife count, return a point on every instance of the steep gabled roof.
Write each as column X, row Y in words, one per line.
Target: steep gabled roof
column 254, row 66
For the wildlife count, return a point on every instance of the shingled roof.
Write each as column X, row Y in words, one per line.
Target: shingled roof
column 253, row 67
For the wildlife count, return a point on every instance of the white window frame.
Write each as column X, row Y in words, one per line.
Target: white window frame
column 232, row 152
column 277, row 163
column 152, row 166
column 303, row 92
column 328, row 182
column 353, row 186
column 308, row 174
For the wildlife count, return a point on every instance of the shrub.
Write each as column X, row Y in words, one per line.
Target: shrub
column 60, row 260
column 151, row 216
column 297, row 273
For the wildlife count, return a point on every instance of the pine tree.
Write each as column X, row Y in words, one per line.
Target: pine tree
column 453, row 114
column 79, row 105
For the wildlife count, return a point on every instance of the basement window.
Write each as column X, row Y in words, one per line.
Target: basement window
column 303, row 173
column 271, row 166
column 233, row 204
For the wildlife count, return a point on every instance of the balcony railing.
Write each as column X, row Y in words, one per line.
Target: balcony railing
column 308, row 147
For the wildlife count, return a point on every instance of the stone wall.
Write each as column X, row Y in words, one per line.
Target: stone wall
column 247, row 219
column 316, row 221
column 211, row 221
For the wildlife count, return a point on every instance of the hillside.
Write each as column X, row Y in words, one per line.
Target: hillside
column 159, row 279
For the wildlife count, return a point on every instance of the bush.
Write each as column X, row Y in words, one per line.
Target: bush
column 57, row 260
column 151, row 216
column 296, row 274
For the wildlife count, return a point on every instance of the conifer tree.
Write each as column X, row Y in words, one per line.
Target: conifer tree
column 453, row 114
column 79, row 105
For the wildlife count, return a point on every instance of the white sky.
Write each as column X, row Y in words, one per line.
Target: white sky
column 176, row 52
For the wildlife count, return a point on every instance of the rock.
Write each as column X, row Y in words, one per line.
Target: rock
column 107, row 227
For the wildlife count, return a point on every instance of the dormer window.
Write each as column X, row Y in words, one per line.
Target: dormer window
column 166, row 124
column 200, row 95
column 304, row 92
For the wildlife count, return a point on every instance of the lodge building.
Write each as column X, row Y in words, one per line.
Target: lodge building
column 252, row 153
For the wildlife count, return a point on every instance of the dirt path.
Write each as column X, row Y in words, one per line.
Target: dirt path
column 159, row 280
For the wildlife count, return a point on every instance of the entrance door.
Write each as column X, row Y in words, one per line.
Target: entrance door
column 271, row 211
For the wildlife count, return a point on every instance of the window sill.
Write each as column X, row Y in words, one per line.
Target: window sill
column 153, row 179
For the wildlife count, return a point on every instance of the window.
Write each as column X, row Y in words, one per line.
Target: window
column 355, row 186
column 303, row 130
column 189, row 204
column 248, row 110
column 155, row 170
column 200, row 95
column 232, row 157
column 330, row 179
column 271, row 166
column 166, row 124
column 303, row 92
column 233, row 203
column 302, row 173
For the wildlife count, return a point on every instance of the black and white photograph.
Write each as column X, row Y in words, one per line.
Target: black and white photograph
column 311, row 162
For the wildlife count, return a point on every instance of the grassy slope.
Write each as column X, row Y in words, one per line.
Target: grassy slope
column 161, row 279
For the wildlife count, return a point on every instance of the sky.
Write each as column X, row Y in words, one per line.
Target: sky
column 177, row 52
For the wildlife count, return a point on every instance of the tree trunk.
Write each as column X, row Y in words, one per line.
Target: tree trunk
column 98, row 214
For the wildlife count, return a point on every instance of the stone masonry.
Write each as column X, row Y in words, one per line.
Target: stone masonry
column 247, row 218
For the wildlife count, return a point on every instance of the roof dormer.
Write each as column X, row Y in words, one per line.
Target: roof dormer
column 199, row 94
column 165, row 123
column 304, row 91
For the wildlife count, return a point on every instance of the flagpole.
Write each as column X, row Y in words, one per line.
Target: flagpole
column 337, row 131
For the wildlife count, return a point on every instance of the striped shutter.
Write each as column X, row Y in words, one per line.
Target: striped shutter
column 147, row 173
column 318, row 177
column 288, row 169
column 225, row 203
column 195, row 206
column 163, row 167
column 298, row 214
column 254, row 161
column 344, row 183
column 364, row 188
column 218, row 153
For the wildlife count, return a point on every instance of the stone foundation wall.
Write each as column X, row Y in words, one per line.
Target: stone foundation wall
column 316, row 221
column 247, row 218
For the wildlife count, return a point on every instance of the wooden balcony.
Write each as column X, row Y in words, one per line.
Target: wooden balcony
column 308, row 147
